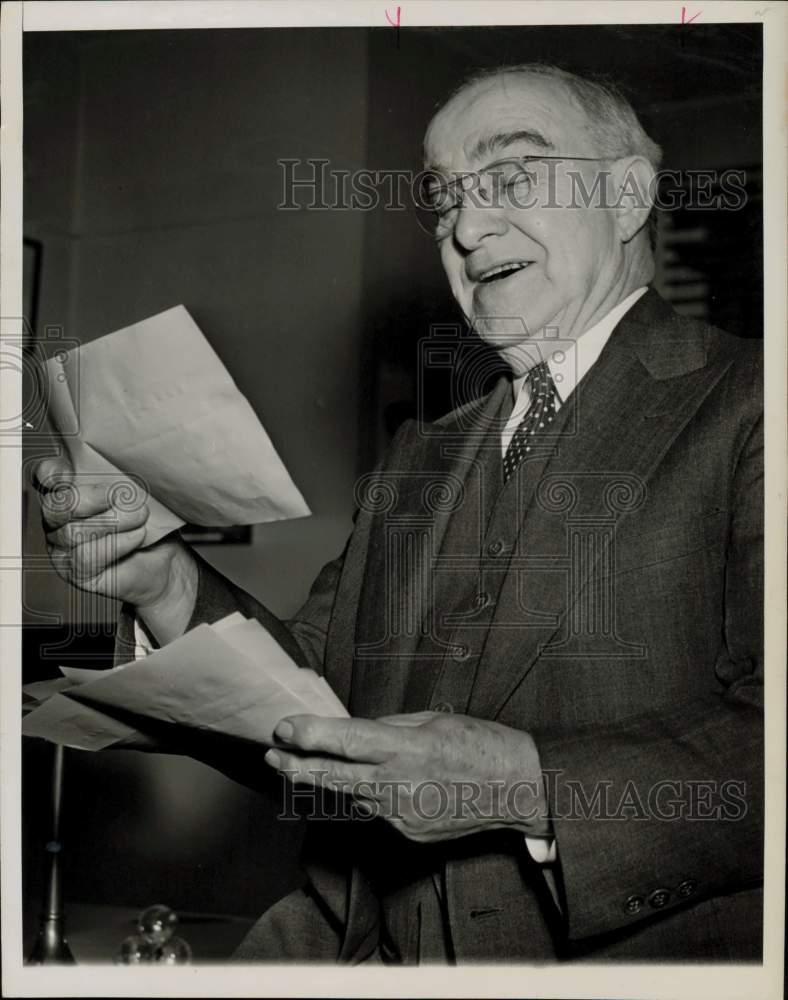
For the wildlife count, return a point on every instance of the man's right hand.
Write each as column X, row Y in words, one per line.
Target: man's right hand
column 96, row 547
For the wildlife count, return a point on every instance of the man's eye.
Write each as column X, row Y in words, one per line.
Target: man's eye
column 519, row 177
column 445, row 208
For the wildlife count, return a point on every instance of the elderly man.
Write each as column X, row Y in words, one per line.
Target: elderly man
column 546, row 624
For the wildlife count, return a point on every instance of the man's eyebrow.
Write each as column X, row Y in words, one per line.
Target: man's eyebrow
column 500, row 140
column 489, row 144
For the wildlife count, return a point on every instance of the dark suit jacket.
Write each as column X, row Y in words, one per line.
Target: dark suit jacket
column 626, row 636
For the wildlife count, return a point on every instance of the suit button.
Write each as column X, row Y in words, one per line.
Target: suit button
column 459, row 653
column 495, row 548
column 687, row 887
column 443, row 706
column 659, row 898
column 634, row 904
column 481, row 600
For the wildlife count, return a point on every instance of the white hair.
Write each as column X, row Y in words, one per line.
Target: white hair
column 611, row 121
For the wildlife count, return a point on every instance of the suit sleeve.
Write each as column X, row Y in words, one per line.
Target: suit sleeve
column 686, row 787
column 303, row 638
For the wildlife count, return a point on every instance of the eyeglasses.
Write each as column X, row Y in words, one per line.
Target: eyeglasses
column 504, row 184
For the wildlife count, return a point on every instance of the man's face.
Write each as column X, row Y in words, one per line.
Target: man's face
column 564, row 260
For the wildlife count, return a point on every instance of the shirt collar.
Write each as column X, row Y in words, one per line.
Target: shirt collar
column 569, row 360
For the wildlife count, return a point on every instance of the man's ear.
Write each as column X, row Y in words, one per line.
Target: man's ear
column 634, row 181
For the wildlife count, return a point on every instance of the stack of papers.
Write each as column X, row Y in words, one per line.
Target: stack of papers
column 231, row 678
column 154, row 404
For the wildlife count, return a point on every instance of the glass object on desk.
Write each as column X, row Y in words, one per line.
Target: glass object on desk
column 157, row 924
column 135, row 950
column 176, row 951
column 154, row 942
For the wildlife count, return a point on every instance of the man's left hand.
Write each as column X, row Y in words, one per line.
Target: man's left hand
column 432, row 776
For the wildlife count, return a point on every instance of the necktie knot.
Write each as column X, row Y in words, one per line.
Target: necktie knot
column 538, row 378
column 538, row 416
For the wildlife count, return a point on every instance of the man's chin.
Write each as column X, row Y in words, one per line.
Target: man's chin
column 501, row 331
column 504, row 333
column 513, row 339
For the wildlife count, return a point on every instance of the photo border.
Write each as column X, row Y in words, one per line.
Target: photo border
column 577, row 980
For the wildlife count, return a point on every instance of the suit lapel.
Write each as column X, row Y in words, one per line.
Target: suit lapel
column 620, row 422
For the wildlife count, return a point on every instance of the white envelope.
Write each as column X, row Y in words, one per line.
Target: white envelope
column 153, row 402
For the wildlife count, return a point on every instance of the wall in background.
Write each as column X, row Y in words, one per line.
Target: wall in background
column 159, row 185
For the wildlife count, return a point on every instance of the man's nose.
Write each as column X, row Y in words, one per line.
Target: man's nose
column 475, row 221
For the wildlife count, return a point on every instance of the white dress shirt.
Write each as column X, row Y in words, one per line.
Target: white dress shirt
column 142, row 644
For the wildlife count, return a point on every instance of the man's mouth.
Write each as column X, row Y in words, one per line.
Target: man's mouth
column 501, row 271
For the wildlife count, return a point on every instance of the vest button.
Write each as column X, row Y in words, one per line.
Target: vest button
column 481, row 600
column 687, row 887
column 443, row 706
column 495, row 548
column 659, row 898
column 459, row 653
column 634, row 904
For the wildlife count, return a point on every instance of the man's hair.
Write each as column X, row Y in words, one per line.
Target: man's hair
column 612, row 122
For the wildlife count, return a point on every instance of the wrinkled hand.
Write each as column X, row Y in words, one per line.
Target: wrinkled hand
column 432, row 776
column 96, row 545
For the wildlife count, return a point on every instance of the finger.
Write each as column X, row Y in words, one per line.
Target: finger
column 353, row 739
column 92, row 528
column 324, row 772
column 85, row 562
column 67, row 501
column 51, row 471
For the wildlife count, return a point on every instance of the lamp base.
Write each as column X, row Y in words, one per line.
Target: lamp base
column 51, row 947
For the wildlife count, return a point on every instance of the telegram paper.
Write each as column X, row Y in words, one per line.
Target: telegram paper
column 231, row 678
column 154, row 404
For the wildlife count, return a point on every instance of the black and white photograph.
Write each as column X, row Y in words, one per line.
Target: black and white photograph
column 394, row 572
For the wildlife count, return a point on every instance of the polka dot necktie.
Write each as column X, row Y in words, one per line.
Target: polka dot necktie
column 539, row 415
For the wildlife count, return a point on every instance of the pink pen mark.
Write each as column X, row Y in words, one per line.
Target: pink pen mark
column 394, row 24
column 684, row 18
